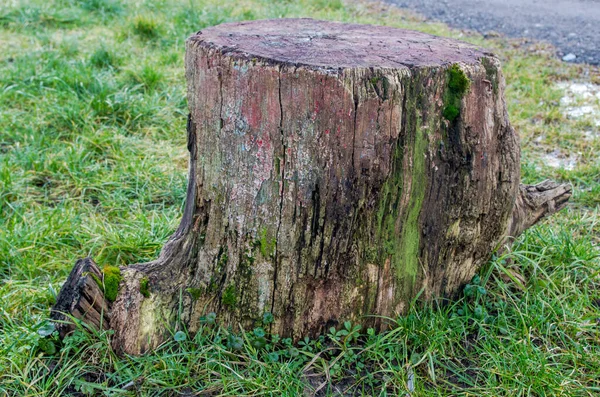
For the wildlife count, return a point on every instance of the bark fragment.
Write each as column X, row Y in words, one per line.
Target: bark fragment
column 82, row 297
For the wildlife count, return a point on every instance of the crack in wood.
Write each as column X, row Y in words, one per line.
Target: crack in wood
column 282, row 192
column 355, row 99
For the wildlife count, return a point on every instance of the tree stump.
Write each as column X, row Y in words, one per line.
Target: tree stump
column 336, row 171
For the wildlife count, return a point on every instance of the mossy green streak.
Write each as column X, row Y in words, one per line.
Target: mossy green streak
column 403, row 245
column 407, row 262
column 267, row 246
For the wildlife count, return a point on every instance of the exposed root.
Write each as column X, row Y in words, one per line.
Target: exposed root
column 535, row 202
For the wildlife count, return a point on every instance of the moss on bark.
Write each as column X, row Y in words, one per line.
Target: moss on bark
column 458, row 85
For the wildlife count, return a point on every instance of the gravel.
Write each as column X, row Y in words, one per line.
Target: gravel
column 573, row 26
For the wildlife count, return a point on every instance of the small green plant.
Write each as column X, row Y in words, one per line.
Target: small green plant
column 145, row 287
column 475, row 309
column 148, row 77
column 268, row 318
column 47, row 338
column 258, row 340
column 211, row 318
column 346, row 335
column 179, row 336
column 146, row 27
column 103, row 58
column 235, row 342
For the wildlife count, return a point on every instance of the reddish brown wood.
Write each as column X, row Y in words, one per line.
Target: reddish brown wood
column 333, row 45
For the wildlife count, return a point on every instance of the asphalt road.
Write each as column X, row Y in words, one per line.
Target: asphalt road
column 573, row 26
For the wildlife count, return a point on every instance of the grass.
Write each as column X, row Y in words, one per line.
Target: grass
column 93, row 162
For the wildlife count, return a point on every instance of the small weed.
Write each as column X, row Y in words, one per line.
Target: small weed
column 103, row 58
column 149, row 77
column 146, row 27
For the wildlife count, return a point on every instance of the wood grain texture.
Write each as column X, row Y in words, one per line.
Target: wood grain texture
column 334, row 45
column 81, row 297
column 336, row 171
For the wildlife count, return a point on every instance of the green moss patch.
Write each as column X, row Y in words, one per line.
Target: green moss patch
column 229, row 297
column 144, row 287
column 381, row 86
column 267, row 246
column 458, row 85
column 195, row 293
column 110, row 283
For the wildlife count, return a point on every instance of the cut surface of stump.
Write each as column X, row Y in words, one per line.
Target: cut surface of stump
column 336, row 171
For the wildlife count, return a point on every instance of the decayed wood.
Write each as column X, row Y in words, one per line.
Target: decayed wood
column 535, row 202
column 81, row 297
column 336, row 171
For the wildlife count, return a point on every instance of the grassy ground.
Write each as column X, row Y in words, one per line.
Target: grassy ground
column 92, row 113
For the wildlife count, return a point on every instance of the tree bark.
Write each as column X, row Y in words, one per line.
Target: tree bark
column 336, row 171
